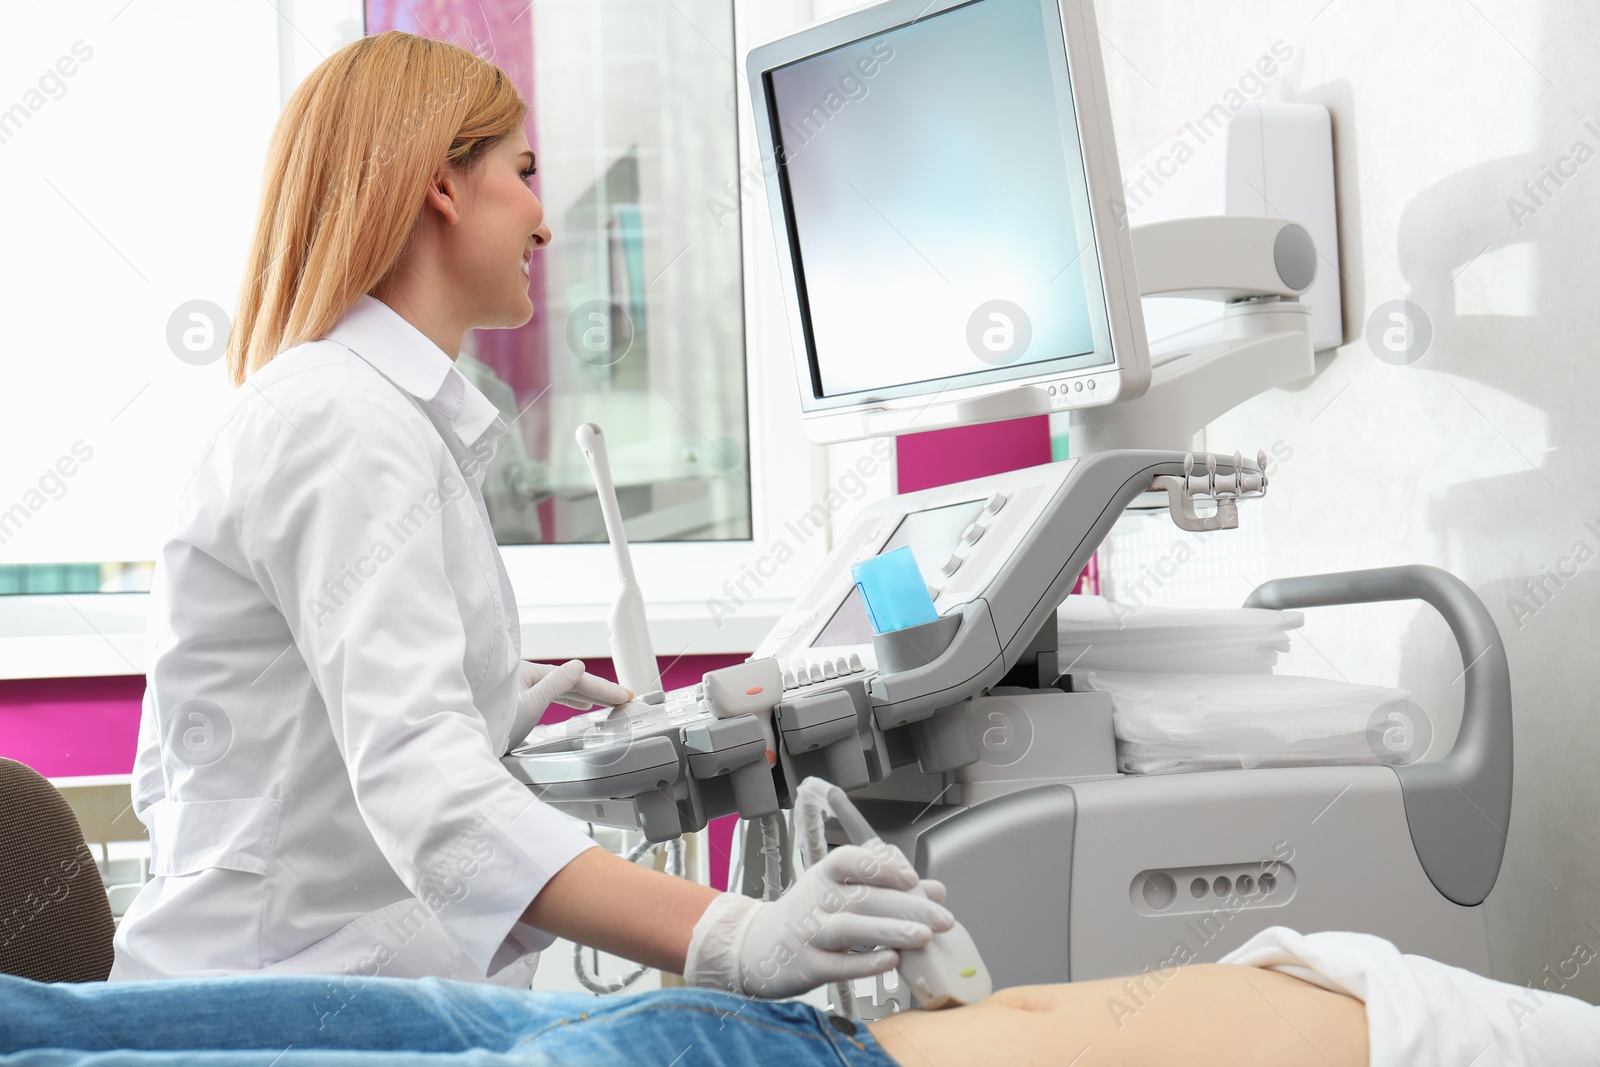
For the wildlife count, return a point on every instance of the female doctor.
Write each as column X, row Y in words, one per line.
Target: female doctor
column 334, row 655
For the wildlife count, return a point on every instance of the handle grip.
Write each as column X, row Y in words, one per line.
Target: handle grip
column 1459, row 808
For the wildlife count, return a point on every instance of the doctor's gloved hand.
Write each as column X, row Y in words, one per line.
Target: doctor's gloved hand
column 854, row 897
column 567, row 683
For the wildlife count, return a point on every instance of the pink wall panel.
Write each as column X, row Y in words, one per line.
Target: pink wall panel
column 940, row 457
column 63, row 727
column 71, row 726
column 67, row 727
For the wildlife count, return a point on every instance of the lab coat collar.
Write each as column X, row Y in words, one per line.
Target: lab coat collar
column 403, row 354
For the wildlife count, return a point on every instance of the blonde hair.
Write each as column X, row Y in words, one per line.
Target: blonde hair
column 347, row 171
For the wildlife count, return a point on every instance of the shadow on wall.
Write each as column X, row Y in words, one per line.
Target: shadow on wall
column 1513, row 239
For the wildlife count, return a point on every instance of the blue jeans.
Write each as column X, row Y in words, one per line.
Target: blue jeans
column 337, row 1020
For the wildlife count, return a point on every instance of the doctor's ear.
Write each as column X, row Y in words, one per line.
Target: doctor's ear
column 444, row 195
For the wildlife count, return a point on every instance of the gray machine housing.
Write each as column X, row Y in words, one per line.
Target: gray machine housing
column 1061, row 867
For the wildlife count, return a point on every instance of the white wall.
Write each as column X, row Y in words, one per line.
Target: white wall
column 1476, row 457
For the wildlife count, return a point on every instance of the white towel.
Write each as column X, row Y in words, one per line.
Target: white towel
column 1423, row 1013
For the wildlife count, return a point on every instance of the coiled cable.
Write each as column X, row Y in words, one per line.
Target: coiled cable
column 606, row 986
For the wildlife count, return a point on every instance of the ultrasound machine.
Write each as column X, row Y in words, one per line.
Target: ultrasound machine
column 944, row 194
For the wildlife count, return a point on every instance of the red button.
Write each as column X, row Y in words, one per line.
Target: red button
column 752, row 691
column 772, row 757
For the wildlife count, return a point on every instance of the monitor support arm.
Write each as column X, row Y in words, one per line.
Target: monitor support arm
column 1258, row 267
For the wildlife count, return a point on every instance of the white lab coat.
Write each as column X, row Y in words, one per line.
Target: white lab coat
column 333, row 654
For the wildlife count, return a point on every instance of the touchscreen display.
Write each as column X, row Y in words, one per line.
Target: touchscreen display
column 931, row 535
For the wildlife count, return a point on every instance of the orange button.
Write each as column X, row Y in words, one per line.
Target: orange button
column 772, row 757
column 752, row 691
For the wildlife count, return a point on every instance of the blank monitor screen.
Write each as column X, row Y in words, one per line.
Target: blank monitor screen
column 945, row 188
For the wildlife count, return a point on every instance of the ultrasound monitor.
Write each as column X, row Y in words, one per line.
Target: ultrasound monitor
column 944, row 193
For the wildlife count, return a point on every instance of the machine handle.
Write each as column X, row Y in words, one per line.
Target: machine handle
column 1459, row 807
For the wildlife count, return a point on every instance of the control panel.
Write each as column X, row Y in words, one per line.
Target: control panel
column 962, row 535
column 825, row 696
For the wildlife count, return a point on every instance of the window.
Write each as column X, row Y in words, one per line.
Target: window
column 637, row 320
column 135, row 144
column 131, row 146
column 637, row 325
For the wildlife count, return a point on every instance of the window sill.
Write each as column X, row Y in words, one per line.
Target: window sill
column 96, row 635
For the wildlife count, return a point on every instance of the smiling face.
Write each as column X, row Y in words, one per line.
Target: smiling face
column 490, row 250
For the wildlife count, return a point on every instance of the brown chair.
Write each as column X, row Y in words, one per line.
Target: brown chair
column 55, row 922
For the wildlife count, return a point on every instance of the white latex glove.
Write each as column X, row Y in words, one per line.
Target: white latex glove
column 568, row 683
column 854, row 897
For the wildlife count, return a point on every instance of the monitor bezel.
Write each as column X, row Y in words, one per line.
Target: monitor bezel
column 1125, row 376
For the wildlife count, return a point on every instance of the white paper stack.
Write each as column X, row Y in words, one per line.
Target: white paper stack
column 1167, row 723
column 1101, row 634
